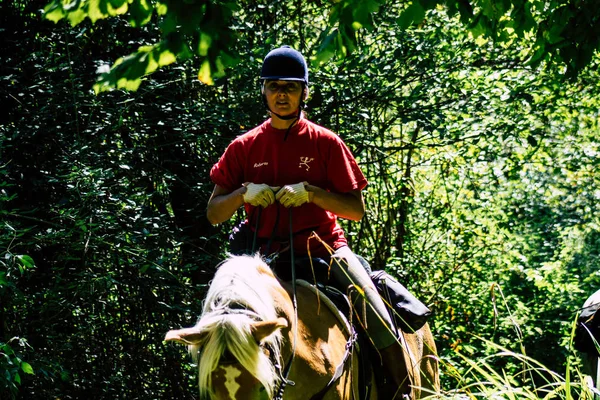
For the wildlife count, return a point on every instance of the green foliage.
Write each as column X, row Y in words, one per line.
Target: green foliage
column 534, row 381
column 191, row 28
column 559, row 32
column 12, row 367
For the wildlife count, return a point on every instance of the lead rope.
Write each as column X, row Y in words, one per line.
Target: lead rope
column 285, row 381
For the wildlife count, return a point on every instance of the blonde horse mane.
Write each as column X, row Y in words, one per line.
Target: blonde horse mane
column 239, row 296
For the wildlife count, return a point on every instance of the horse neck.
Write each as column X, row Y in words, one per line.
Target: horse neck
column 281, row 293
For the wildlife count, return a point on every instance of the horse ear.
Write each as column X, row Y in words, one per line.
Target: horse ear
column 261, row 330
column 189, row 336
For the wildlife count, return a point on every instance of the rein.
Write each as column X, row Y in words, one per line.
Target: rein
column 286, row 372
column 288, row 365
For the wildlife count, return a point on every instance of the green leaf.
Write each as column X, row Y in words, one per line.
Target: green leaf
column 414, row 14
column 27, row 368
column 204, row 74
column 168, row 24
column 54, row 12
column 488, row 8
column 76, row 17
column 116, row 4
column 129, row 84
column 3, row 281
column 539, row 53
column 166, row 57
column 26, row 261
column 117, row 7
column 161, row 9
column 140, row 13
column 327, row 48
column 204, row 44
column 481, row 26
column 362, row 13
column 556, row 26
column 94, row 11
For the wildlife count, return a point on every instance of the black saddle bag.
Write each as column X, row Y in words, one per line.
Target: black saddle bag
column 408, row 312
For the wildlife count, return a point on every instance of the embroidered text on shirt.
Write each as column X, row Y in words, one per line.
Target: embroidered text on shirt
column 256, row 165
column 304, row 162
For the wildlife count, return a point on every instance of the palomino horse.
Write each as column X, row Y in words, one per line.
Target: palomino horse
column 249, row 335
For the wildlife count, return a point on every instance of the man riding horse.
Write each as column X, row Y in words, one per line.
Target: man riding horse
column 290, row 164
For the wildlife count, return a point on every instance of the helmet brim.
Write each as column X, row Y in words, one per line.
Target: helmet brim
column 282, row 78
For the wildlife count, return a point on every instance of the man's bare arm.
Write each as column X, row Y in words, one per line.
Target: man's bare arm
column 349, row 205
column 223, row 204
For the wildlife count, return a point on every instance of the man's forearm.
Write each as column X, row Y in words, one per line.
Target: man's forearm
column 345, row 205
column 222, row 206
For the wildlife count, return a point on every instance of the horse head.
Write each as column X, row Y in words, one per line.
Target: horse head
column 237, row 339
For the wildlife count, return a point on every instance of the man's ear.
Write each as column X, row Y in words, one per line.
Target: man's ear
column 305, row 93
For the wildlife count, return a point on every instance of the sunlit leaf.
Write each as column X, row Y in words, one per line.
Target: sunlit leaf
column 76, row 17
column 162, row 9
column 129, row 84
column 54, row 11
column 26, row 367
column 204, row 74
column 117, row 7
column 204, row 44
column 94, row 11
column 26, row 261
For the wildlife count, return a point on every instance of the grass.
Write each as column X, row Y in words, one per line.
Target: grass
column 483, row 379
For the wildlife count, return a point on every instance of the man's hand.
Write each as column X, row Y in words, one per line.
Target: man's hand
column 259, row 194
column 293, row 195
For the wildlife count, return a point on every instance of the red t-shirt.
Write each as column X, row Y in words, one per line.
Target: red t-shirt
column 310, row 153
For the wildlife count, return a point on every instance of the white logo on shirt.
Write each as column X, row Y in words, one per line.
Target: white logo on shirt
column 256, row 165
column 304, row 162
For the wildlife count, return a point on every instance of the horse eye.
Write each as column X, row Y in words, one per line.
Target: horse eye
column 266, row 351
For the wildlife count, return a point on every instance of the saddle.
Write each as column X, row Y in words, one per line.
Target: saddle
column 339, row 304
column 408, row 313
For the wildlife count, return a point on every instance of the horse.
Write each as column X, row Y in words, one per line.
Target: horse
column 588, row 328
column 262, row 338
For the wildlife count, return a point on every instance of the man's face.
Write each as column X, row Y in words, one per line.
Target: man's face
column 283, row 97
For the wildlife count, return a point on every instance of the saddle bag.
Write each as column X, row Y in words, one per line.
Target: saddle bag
column 408, row 313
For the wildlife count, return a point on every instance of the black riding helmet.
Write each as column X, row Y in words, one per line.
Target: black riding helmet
column 285, row 64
